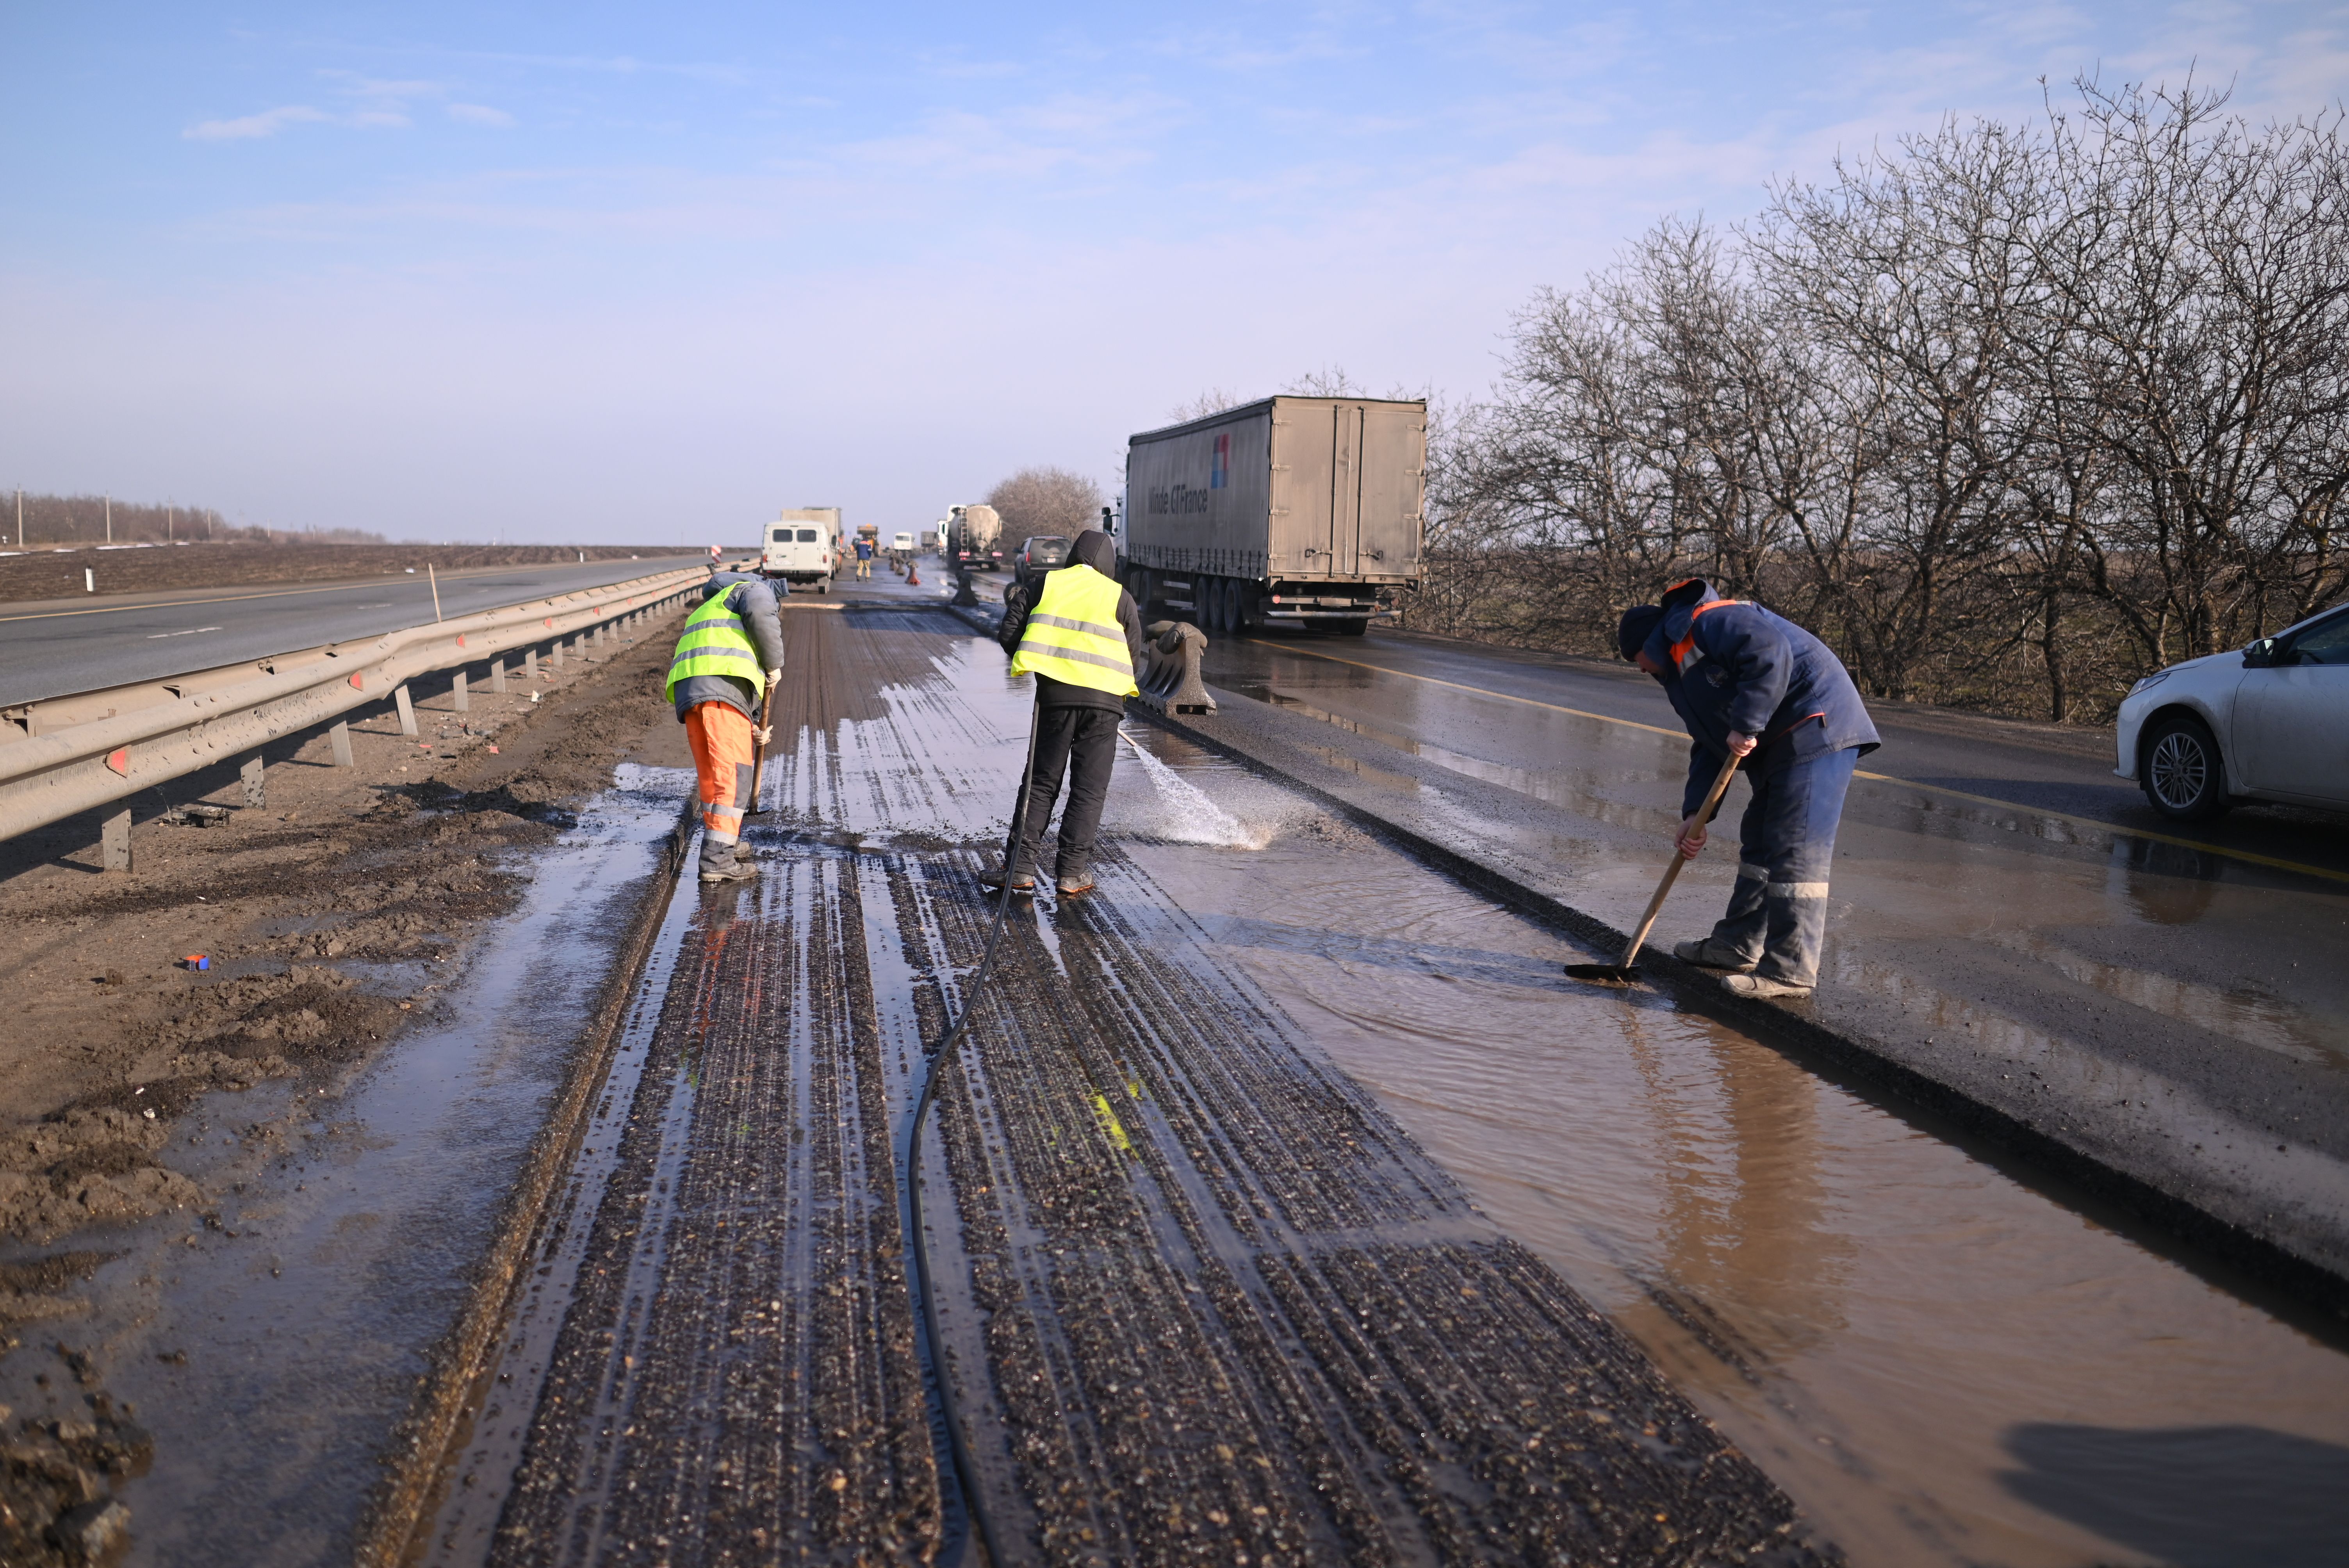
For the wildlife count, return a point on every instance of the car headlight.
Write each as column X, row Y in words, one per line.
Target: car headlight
column 2149, row 682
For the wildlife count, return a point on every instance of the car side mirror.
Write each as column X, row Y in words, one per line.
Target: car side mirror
column 2261, row 654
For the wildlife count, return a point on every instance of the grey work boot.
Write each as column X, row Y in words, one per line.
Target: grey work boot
column 1707, row 954
column 1763, row 985
column 1074, row 885
column 733, row 868
column 993, row 881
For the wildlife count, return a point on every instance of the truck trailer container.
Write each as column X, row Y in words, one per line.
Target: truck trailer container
column 1299, row 511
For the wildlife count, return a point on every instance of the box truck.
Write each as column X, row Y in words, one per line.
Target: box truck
column 799, row 546
column 1295, row 512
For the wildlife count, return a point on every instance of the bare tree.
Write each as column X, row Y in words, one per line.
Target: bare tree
column 1045, row 500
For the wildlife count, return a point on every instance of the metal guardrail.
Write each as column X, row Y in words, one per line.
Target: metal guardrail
column 73, row 754
column 1171, row 682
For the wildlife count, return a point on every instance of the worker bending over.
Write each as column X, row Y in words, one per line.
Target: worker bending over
column 1749, row 682
column 732, row 652
column 1081, row 639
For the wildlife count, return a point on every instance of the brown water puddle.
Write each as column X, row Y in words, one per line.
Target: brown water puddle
column 1943, row 1364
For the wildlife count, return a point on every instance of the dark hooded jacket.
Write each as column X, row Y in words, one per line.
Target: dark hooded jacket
column 1097, row 550
column 1737, row 667
column 753, row 597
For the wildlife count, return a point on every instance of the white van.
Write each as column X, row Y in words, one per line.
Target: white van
column 800, row 546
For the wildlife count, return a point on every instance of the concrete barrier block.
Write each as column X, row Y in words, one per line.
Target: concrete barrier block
column 1171, row 683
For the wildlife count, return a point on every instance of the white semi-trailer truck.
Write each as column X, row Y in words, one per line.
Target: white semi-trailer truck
column 1299, row 511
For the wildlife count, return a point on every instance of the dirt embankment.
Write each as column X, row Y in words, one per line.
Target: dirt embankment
column 325, row 916
column 57, row 573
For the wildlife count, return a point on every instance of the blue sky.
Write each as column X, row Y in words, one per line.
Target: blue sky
column 646, row 274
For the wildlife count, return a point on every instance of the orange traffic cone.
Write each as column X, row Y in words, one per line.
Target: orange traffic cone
column 913, row 578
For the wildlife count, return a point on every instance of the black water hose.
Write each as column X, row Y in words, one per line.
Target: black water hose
column 940, row 1059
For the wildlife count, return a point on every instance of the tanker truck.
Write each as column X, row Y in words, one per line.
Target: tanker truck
column 974, row 539
column 1291, row 511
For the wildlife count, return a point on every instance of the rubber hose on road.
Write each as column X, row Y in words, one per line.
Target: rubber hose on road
column 939, row 1060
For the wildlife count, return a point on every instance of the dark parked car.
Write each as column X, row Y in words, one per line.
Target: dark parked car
column 1043, row 553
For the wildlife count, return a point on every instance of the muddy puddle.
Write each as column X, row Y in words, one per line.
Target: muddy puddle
column 274, row 1344
column 1943, row 1363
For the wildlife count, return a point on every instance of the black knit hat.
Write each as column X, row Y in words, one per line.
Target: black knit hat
column 1638, row 621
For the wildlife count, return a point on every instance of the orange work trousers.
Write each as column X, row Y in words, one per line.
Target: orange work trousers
column 721, row 738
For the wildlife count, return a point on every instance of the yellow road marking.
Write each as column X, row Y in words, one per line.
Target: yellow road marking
column 2245, row 855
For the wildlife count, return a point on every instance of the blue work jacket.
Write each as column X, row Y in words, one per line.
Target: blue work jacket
column 1734, row 665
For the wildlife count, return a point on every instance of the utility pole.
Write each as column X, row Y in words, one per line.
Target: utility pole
column 109, row 520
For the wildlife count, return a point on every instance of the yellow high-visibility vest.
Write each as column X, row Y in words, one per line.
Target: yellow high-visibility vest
column 1072, row 633
column 715, row 644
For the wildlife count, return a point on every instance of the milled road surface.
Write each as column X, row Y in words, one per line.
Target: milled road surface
column 52, row 648
column 1202, row 1299
column 2008, row 920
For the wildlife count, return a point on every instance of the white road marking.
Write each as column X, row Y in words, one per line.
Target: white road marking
column 191, row 631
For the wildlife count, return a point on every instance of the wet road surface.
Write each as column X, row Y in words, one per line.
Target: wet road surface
column 50, row 649
column 1942, row 1358
column 1201, row 1297
column 1191, row 1269
column 2175, row 1014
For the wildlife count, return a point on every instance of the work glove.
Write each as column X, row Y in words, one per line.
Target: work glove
column 765, row 734
column 774, row 676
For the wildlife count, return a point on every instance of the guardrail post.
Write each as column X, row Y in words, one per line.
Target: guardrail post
column 114, row 842
column 341, row 735
column 555, row 650
column 463, row 698
column 498, row 677
column 529, row 663
column 407, row 709
column 252, row 774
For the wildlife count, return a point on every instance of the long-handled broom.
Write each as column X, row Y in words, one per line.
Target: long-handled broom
column 1629, row 969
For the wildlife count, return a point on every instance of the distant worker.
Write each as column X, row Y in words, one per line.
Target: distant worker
column 1081, row 639
column 730, row 655
column 1746, row 681
column 863, row 557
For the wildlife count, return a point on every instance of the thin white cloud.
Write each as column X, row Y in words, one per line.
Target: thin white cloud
column 479, row 114
column 269, row 122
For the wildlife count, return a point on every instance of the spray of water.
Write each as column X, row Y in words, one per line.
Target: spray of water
column 1191, row 817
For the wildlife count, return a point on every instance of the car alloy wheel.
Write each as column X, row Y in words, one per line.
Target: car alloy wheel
column 2184, row 777
column 2181, row 771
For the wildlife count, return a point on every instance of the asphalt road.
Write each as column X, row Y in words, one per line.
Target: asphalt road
column 53, row 648
column 1202, row 1299
column 2008, row 919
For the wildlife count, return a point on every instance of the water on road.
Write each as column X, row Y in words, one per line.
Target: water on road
column 1943, row 1362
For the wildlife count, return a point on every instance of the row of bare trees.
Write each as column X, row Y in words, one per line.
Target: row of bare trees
column 2009, row 415
column 48, row 521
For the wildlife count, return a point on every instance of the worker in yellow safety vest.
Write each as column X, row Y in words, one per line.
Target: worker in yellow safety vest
column 1080, row 637
column 730, row 653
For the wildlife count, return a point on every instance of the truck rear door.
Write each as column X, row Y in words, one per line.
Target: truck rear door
column 1345, row 489
column 1393, row 490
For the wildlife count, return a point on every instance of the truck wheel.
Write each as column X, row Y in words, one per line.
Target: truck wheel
column 1353, row 626
column 2181, row 769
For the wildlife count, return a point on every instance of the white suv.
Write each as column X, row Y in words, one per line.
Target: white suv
column 2268, row 723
